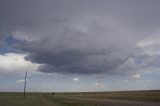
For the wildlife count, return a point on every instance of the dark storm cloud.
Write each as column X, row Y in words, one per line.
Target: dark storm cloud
column 85, row 37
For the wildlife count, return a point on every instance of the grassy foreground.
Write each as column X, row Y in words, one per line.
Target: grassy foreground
column 35, row 99
column 153, row 95
column 58, row 99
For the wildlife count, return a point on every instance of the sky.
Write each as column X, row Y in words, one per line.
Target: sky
column 79, row 45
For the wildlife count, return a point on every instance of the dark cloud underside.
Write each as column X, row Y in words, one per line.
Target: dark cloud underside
column 84, row 37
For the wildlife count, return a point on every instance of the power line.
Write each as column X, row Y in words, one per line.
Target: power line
column 25, row 83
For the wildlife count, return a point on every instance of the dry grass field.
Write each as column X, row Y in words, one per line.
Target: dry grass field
column 121, row 95
column 127, row 98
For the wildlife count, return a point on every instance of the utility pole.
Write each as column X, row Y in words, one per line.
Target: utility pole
column 25, row 82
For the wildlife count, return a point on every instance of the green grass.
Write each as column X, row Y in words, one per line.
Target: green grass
column 19, row 101
column 35, row 99
column 60, row 101
column 45, row 99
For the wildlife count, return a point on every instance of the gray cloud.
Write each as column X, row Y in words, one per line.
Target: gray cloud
column 84, row 37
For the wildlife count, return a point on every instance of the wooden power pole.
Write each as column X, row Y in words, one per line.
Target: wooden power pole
column 25, row 83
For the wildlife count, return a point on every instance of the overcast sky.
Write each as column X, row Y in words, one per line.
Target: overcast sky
column 80, row 45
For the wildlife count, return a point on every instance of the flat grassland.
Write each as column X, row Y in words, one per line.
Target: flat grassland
column 153, row 95
column 126, row 98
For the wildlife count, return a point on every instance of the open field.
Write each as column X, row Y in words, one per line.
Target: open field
column 136, row 98
column 121, row 95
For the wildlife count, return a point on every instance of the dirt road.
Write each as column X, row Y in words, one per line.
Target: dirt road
column 108, row 102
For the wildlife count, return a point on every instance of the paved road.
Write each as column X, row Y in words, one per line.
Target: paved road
column 108, row 102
